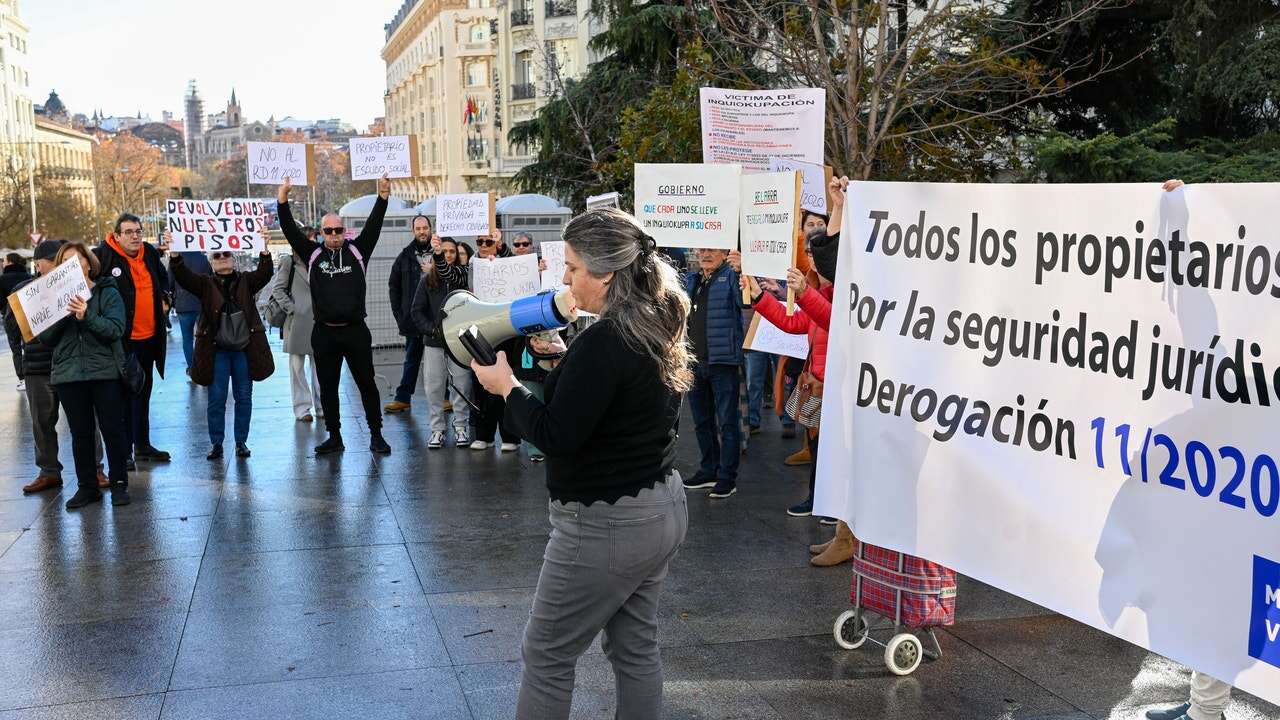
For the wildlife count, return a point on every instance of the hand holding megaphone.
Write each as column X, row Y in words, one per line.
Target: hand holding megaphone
column 496, row 378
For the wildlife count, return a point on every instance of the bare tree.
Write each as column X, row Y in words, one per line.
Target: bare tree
column 556, row 86
column 912, row 78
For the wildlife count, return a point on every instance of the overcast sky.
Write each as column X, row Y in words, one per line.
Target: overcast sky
column 312, row 59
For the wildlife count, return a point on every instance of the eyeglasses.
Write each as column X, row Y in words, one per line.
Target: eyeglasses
column 132, row 232
column 486, row 243
column 220, row 256
column 522, row 244
column 334, row 230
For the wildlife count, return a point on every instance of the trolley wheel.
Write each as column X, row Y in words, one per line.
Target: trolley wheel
column 850, row 630
column 903, row 654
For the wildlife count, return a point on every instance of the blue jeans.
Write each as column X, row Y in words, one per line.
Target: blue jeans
column 713, row 400
column 412, row 365
column 759, row 375
column 187, row 323
column 233, row 367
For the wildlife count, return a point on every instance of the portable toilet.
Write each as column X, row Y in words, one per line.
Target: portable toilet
column 397, row 231
column 542, row 217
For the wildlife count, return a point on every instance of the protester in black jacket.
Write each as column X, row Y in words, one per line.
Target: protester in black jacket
column 336, row 270
column 142, row 280
column 410, row 267
column 444, row 277
column 14, row 274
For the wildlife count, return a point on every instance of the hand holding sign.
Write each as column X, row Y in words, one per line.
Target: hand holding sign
column 796, row 281
column 282, row 195
column 384, row 187
column 77, row 306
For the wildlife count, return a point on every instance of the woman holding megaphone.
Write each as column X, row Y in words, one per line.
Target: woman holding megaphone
column 608, row 429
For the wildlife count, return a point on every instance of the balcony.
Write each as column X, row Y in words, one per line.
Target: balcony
column 521, row 17
column 561, row 8
column 524, row 91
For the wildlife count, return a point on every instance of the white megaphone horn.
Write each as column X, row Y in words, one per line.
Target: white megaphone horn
column 495, row 323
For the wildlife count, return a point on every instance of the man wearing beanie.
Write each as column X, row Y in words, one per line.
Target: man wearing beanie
column 42, row 401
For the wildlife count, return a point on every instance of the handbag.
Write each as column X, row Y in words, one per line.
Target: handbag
column 232, row 333
column 276, row 312
column 130, row 369
column 805, row 403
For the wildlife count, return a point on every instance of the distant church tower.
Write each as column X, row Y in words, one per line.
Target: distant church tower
column 194, row 126
column 233, row 111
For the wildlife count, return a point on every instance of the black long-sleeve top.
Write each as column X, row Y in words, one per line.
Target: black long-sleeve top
column 337, row 277
column 608, row 424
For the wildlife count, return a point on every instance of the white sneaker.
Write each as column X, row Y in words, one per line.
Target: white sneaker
column 461, row 436
column 481, row 445
column 436, row 441
column 22, row 385
column 510, row 447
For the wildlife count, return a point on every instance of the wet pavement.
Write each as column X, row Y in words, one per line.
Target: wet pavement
column 286, row 586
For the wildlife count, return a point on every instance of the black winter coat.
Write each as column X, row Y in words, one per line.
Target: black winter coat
column 403, row 286
column 112, row 262
column 424, row 313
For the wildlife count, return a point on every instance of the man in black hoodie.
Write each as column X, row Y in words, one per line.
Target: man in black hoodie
column 336, row 271
column 406, row 273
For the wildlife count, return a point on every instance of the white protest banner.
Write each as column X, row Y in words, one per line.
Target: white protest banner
column 395, row 156
column 748, row 127
column 770, row 219
column 605, row 200
column 41, row 303
column 271, row 162
column 763, row 336
column 553, row 258
column 814, row 180
column 689, row 205
column 208, row 225
column 1068, row 391
column 465, row 215
column 505, row 279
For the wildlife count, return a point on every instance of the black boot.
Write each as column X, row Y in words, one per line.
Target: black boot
column 84, row 496
column 215, row 453
column 242, row 450
column 378, row 444
column 120, row 494
column 332, row 445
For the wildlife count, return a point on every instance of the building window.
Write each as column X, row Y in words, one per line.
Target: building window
column 477, row 74
column 479, row 33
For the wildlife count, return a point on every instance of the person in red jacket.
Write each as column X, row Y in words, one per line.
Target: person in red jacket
column 814, row 292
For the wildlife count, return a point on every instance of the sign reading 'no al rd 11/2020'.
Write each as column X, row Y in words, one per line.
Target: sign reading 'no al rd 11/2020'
column 212, row 225
column 271, row 162
column 395, row 156
column 689, row 205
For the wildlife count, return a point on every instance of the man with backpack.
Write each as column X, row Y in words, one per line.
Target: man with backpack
column 336, row 271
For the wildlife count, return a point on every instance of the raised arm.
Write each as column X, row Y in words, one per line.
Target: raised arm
column 452, row 275
column 368, row 238
column 189, row 281
column 836, row 191
column 299, row 242
column 261, row 276
column 776, row 313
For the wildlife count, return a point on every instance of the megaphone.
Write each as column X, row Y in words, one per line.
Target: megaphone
column 494, row 323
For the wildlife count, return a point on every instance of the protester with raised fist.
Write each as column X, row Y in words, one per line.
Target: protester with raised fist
column 336, row 268
column 608, row 428
column 231, row 340
column 89, row 365
column 141, row 279
column 443, row 277
column 411, row 265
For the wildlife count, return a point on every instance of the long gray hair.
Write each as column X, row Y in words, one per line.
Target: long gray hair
column 645, row 298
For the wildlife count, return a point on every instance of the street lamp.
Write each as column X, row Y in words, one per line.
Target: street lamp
column 31, row 173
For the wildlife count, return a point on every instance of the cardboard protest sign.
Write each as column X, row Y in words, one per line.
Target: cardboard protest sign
column 208, row 225
column 505, row 279
column 395, row 156
column 270, row 163
column 770, row 219
column 763, row 336
column 472, row 214
column 689, row 205
column 605, row 200
column 41, row 303
column 814, row 180
column 553, row 257
column 748, row 127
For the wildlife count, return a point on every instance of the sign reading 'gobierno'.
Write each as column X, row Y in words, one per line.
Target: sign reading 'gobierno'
column 689, row 205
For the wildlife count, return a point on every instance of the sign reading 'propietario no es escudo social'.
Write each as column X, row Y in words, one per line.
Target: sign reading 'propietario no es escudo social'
column 689, row 205
column 212, row 225
column 1092, row 370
